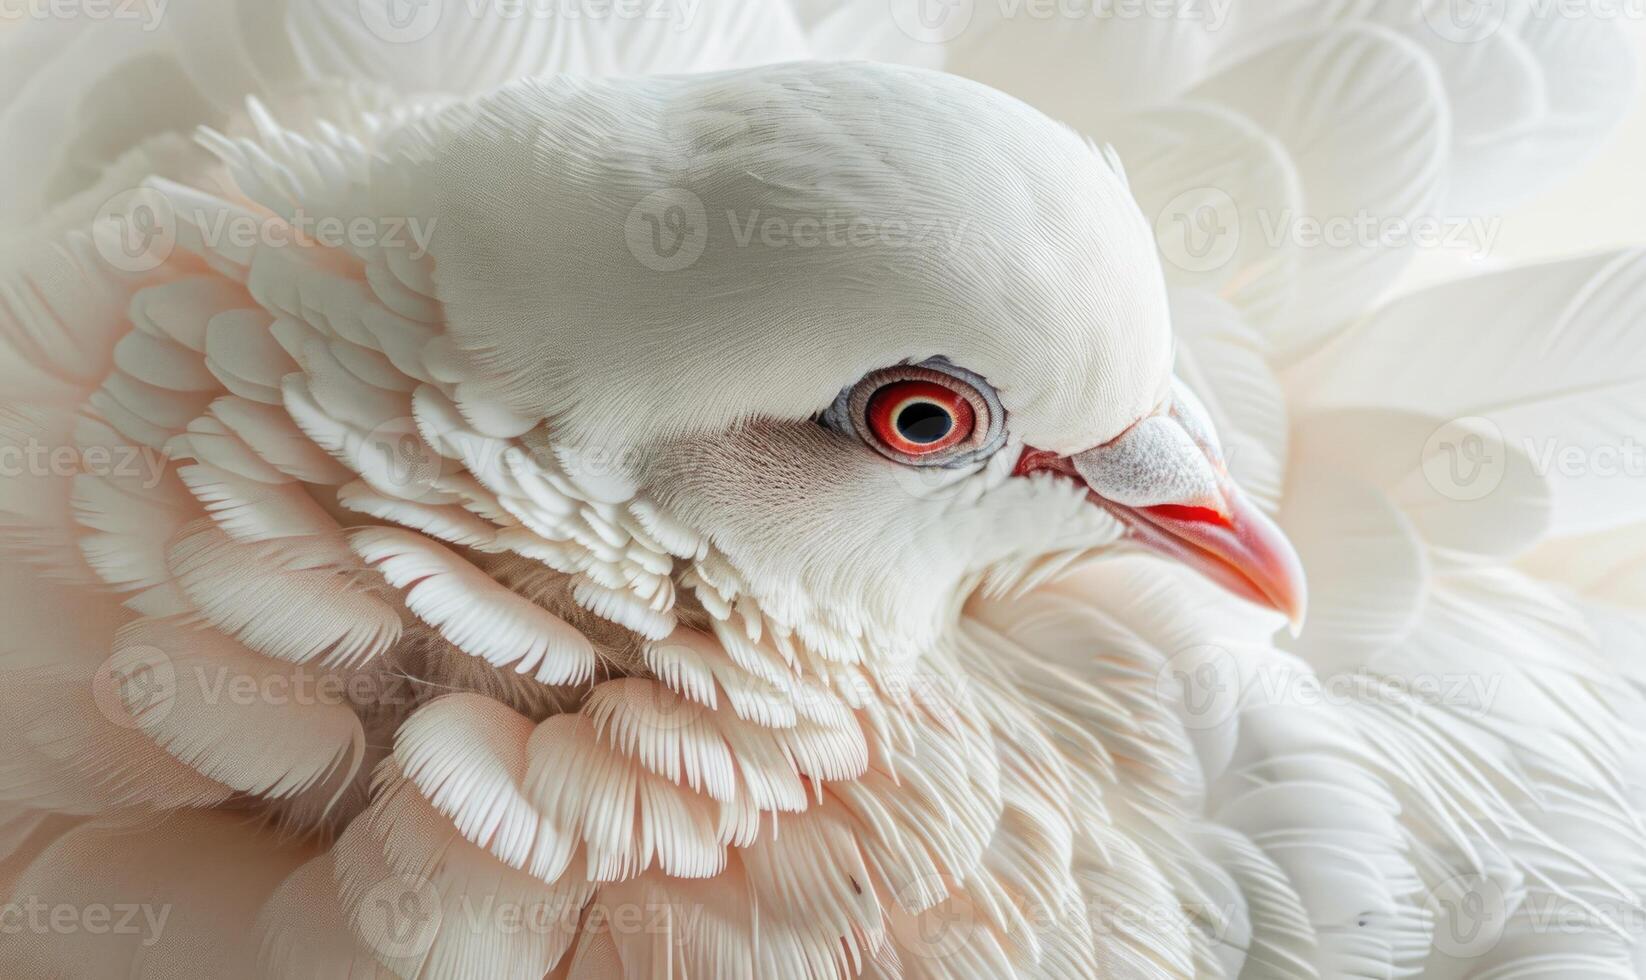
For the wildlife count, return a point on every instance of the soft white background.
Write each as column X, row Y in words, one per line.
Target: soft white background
column 1603, row 205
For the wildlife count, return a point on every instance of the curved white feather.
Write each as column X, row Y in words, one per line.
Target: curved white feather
column 476, row 614
column 239, row 719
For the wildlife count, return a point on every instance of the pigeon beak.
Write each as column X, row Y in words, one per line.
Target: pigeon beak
column 1164, row 479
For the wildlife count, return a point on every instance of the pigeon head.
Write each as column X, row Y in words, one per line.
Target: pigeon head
column 879, row 336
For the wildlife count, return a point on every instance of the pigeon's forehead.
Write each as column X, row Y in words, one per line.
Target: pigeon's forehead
column 667, row 256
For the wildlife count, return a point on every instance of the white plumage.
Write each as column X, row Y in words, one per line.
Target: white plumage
column 447, row 535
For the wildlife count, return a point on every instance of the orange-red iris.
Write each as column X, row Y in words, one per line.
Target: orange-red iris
column 918, row 418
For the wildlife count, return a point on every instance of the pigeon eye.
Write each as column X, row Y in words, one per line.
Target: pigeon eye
column 918, row 418
column 929, row 414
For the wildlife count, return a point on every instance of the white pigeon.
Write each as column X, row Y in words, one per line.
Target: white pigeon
column 533, row 496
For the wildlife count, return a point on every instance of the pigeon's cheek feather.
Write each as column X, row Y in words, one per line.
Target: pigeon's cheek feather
column 813, row 522
column 822, row 529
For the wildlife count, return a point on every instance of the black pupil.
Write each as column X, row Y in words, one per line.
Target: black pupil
column 924, row 423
